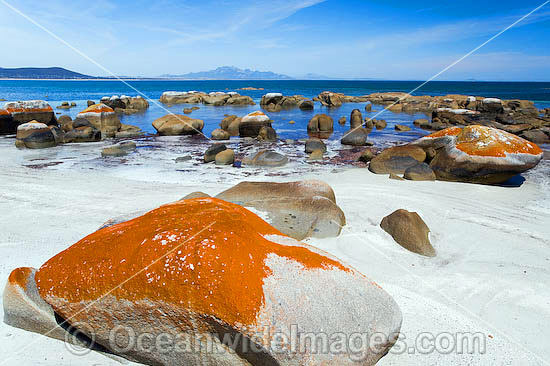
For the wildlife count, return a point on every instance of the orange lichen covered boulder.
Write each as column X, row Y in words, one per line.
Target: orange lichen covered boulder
column 103, row 118
column 14, row 114
column 480, row 154
column 205, row 269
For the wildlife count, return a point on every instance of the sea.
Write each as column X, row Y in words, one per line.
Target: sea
column 57, row 91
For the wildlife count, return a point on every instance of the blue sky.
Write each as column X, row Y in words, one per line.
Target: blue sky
column 390, row 39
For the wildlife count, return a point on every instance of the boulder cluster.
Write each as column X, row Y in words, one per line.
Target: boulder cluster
column 36, row 126
column 474, row 154
column 275, row 102
column 126, row 105
column 255, row 124
column 213, row 98
column 519, row 117
column 330, row 99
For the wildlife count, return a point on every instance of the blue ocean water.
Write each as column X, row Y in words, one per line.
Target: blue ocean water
column 56, row 92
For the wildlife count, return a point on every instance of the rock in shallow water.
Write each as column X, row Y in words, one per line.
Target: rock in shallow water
column 249, row 281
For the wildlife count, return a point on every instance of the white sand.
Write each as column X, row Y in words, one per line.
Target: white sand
column 491, row 273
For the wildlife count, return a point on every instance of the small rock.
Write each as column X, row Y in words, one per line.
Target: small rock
column 366, row 156
column 291, row 122
column 342, row 121
column 316, row 155
column 410, row 231
column 187, row 110
column 355, row 137
column 115, row 151
column 181, row 159
column 368, row 107
column 380, row 124
column 219, row 134
column 313, row 144
column 225, row 157
column 421, row 122
column 402, row 128
column 267, row 133
column 212, row 151
column 266, row 158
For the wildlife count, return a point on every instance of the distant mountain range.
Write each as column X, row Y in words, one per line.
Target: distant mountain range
column 230, row 73
column 221, row 73
column 41, row 73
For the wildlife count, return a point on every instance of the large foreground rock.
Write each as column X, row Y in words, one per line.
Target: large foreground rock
column 480, row 154
column 208, row 270
column 103, row 118
column 410, row 231
column 178, row 124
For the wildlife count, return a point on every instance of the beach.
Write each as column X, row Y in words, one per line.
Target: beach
column 492, row 242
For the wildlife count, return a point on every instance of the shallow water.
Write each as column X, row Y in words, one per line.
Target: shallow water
column 56, row 92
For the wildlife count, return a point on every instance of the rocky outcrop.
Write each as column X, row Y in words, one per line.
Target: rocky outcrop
column 298, row 209
column 103, row 118
column 223, row 274
column 126, row 105
column 178, row 124
column 330, row 99
column 34, row 135
column 356, row 118
column 213, row 98
column 14, row 114
column 479, row 154
column 410, row 231
column 251, row 124
column 321, row 125
column 274, row 102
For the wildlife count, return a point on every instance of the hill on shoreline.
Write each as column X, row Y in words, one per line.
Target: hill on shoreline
column 41, row 73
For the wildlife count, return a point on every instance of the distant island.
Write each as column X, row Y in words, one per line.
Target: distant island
column 229, row 73
column 41, row 73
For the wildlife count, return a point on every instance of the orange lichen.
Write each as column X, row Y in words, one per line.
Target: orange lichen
column 164, row 256
column 451, row 131
column 487, row 141
column 257, row 113
column 98, row 108
column 20, row 276
column 4, row 112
